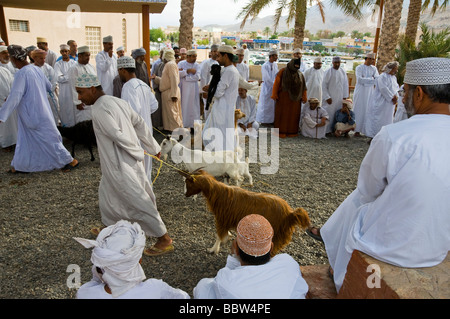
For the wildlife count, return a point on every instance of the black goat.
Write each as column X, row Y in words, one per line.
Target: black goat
column 215, row 72
column 80, row 133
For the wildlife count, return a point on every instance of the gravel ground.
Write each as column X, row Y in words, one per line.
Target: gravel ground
column 41, row 212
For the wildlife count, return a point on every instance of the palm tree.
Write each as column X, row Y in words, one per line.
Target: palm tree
column 414, row 11
column 297, row 10
column 186, row 24
column 431, row 44
column 389, row 32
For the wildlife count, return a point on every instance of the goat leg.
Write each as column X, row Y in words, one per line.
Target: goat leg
column 216, row 248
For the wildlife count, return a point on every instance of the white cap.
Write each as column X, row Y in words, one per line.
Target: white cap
column 126, row 62
column 87, row 80
column 428, row 71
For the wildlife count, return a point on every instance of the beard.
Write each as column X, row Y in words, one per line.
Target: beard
column 409, row 104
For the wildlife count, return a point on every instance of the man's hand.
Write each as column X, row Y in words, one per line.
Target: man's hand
column 80, row 106
column 174, row 99
column 323, row 121
column 242, row 126
column 158, row 155
column 205, row 88
column 205, row 95
column 394, row 99
column 110, row 53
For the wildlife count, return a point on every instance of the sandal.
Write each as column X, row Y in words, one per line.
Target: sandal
column 154, row 251
column 70, row 166
column 313, row 235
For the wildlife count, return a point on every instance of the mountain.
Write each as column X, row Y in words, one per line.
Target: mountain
column 335, row 20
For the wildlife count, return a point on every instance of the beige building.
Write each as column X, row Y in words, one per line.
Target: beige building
column 86, row 28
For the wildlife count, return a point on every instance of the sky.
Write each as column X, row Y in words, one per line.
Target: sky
column 222, row 12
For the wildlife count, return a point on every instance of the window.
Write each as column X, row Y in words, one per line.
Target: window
column 19, row 25
column 93, row 39
column 124, row 34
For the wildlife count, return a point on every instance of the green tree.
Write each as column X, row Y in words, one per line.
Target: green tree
column 431, row 44
column 156, row 34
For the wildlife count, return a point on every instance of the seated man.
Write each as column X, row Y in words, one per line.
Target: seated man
column 314, row 120
column 250, row 272
column 345, row 119
column 398, row 212
column 116, row 270
column 247, row 104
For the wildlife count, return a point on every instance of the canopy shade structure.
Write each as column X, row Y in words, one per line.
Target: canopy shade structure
column 145, row 7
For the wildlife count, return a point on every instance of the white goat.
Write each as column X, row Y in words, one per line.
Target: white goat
column 216, row 163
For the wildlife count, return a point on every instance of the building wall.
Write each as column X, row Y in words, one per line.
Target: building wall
column 59, row 27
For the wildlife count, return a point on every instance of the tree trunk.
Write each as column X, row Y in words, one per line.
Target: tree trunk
column 389, row 32
column 186, row 24
column 299, row 25
column 412, row 23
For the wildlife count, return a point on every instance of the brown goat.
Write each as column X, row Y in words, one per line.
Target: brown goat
column 229, row 204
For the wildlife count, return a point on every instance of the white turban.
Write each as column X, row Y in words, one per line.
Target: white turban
column 83, row 49
column 318, row 60
column 3, row 48
column 117, row 251
column 428, row 71
column 191, row 52
column 64, row 47
column 389, row 66
column 126, row 62
column 272, row 52
column 120, row 49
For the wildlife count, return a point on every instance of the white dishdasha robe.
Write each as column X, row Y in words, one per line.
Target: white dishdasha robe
column 399, row 211
column 125, row 191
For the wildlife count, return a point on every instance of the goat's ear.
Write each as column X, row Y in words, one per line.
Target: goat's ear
column 180, row 138
column 168, row 137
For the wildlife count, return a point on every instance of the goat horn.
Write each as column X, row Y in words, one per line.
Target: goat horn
column 184, row 174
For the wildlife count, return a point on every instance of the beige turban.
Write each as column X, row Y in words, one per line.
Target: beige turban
column 38, row 52
column 313, row 100
column 41, row 40
column 169, row 55
column 370, row 55
column 226, row 49
column 191, row 52
column 240, row 51
column 348, row 102
column 318, row 60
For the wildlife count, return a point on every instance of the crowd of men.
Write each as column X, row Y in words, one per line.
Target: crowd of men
column 398, row 212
